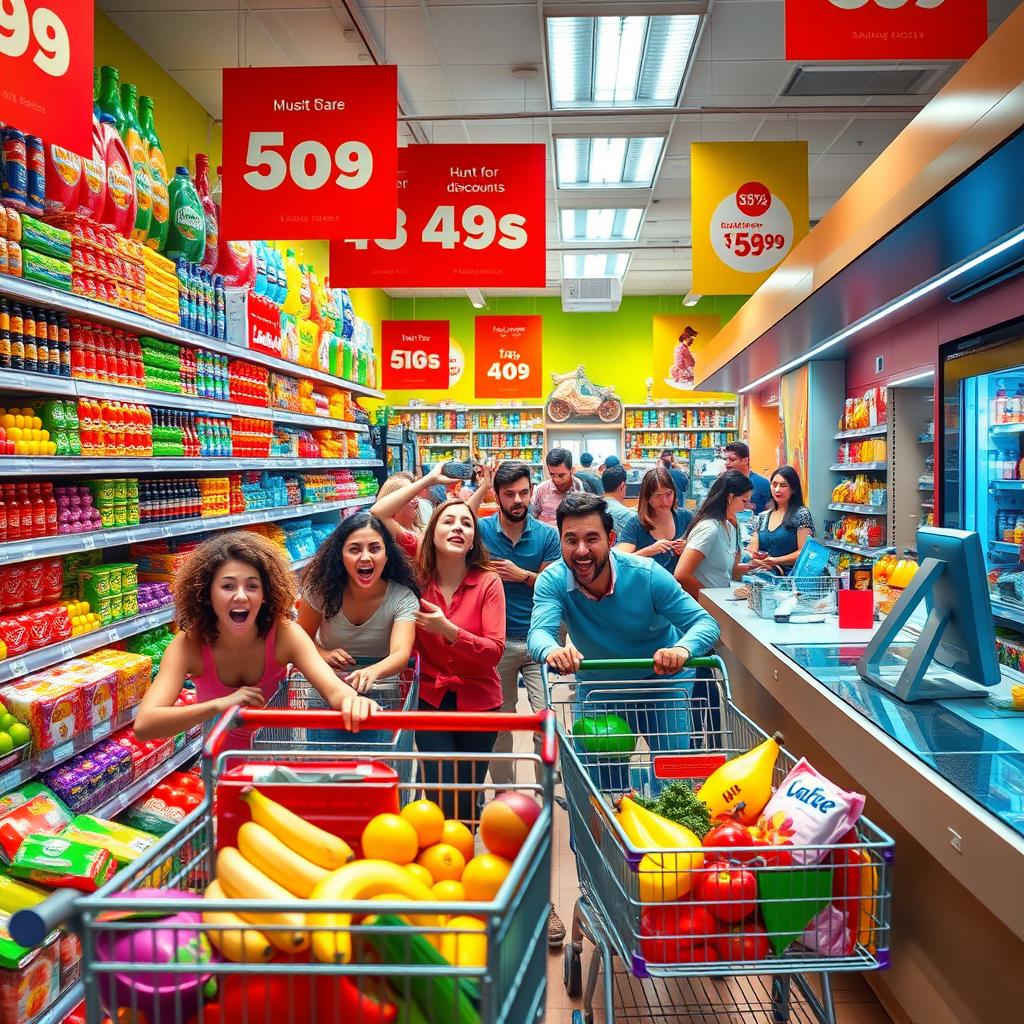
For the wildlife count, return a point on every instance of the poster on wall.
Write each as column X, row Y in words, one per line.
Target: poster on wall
column 415, row 355
column 46, row 56
column 309, row 152
column 674, row 343
column 884, row 29
column 749, row 208
column 508, row 356
column 468, row 216
column 793, row 411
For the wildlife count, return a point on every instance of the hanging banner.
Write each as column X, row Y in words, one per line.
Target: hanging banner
column 415, row 355
column 508, row 357
column 675, row 341
column 468, row 216
column 309, row 152
column 884, row 29
column 748, row 209
column 46, row 52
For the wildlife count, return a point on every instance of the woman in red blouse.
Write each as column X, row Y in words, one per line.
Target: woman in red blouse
column 460, row 636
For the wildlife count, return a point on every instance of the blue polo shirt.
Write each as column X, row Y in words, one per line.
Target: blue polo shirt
column 538, row 545
column 761, row 494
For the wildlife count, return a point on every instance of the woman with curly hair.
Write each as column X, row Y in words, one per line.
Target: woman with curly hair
column 232, row 600
column 359, row 600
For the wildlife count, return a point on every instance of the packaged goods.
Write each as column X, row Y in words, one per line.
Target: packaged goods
column 62, row 863
column 14, row 164
column 36, row 165
column 63, row 180
column 138, row 154
column 92, row 195
column 132, row 675
column 32, row 809
column 122, row 842
column 210, row 212
column 51, row 708
column 46, row 270
column 119, row 210
column 30, row 980
column 186, row 236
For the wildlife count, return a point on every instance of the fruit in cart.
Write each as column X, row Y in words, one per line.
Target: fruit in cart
column 389, row 837
column 449, row 890
column 260, row 847
column 316, row 845
column 661, row 876
column 462, row 944
column 443, row 861
column 420, row 872
column 506, row 822
column 360, row 880
column 458, row 835
column 427, row 819
column 240, row 880
column 606, row 735
column 678, row 933
column 730, row 891
column 484, row 876
column 742, row 786
column 744, row 944
column 235, row 940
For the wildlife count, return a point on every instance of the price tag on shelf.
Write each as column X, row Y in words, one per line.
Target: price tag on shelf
column 17, row 667
column 467, row 215
column 67, row 650
column 88, row 541
column 113, row 635
column 61, row 753
column 309, row 152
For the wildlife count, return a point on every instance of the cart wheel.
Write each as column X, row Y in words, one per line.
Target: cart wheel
column 780, row 1000
column 572, row 971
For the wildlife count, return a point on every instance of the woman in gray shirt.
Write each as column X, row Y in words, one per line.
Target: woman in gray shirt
column 359, row 600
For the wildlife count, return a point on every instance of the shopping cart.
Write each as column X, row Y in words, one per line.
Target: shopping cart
column 771, row 595
column 676, row 963
column 395, row 693
column 157, row 968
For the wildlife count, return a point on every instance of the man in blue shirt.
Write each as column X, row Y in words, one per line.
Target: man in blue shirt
column 737, row 456
column 586, row 476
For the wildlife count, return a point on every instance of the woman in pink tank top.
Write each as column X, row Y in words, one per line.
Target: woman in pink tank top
column 232, row 601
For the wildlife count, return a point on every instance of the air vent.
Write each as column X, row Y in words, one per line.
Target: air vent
column 591, row 294
column 864, row 81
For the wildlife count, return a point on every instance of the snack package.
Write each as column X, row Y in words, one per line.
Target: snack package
column 70, row 959
column 97, row 684
column 132, row 673
column 29, row 979
column 62, row 863
column 123, row 843
column 40, row 812
column 51, row 707
column 810, row 810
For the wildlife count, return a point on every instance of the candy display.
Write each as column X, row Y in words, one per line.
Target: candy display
column 861, row 413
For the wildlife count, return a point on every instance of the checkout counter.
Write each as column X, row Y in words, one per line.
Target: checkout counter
column 944, row 778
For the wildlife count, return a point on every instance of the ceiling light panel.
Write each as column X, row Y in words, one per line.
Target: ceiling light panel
column 595, row 264
column 604, row 225
column 614, row 61
column 622, row 162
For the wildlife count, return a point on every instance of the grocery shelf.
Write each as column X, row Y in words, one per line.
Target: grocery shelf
column 680, row 430
column 866, row 510
column 878, row 431
column 926, row 439
column 853, row 549
column 440, row 430
column 1005, row 429
column 116, row 804
column 859, row 467
column 926, row 487
column 1008, row 612
column 40, row 383
column 28, row 291
column 1006, row 485
column 685, row 405
column 13, row 465
column 66, row 543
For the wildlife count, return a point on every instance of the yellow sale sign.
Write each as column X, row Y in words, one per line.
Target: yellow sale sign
column 748, row 209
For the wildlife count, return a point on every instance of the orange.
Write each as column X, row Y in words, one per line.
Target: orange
column 428, row 820
column 483, row 877
column 389, row 837
column 456, row 834
column 449, row 889
column 444, row 862
column 421, row 873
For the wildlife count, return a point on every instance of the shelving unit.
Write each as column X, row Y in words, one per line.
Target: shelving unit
column 873, row 468
column 685, row 426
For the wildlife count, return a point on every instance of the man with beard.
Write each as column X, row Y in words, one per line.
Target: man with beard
column 520, row 548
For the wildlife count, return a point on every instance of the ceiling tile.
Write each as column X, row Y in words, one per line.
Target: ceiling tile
column 869, row 135
column 731, row 78
column 495, row 82
column 424, row 84
column 403, row 35
column 746, row 31
column 504, row 35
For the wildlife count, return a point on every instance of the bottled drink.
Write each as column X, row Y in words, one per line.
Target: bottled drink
column 160, row 222
column 138, row 154
column 999, row 404
column 13, row 509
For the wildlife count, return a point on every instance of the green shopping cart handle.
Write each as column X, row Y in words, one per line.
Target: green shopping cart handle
column 603, row 664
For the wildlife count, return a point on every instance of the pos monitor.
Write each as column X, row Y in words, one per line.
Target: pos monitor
column 958, row 633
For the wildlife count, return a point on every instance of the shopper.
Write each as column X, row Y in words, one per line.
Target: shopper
column 737, row 457
column 659, row 526
column 586, row 475
column 613, row 484
column 359, row 600
column 460, row 637
column 549, row 493
column 782, row 529
column 232, row 601
column 711, row 557
column 680, row 479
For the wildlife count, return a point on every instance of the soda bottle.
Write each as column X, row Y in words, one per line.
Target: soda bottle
column 27, row 519
column 53, row 339
column 50, row 504
column 13, row 509
column 17, row 339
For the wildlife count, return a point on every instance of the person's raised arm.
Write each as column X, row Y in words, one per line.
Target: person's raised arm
column 387, row 507
column 484, row 483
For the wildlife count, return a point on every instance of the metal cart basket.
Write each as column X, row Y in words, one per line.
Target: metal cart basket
column 802, row 595
column 678, row 962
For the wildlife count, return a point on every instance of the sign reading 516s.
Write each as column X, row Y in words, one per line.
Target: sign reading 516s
column 309, row 152
column 468, row 216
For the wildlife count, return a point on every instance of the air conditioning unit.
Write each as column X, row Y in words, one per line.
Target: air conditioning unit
column 591, row 294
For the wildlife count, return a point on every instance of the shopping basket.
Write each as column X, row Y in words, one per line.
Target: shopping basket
column 677, row 961
column 771, row 595
column 157, row 968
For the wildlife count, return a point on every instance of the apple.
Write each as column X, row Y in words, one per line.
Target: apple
column 506, row 822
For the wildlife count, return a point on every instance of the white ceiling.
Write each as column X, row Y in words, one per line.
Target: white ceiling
column 456, row 58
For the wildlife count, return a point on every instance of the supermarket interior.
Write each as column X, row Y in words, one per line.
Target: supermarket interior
column 592, row 592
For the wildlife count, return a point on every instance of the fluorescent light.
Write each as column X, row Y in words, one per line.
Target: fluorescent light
column 595, row 264
column 476, row 297
column 619, row 61
column 911, row 379
column 891, row 307
column 691, row 299
column 623, row 162
column 601, row 225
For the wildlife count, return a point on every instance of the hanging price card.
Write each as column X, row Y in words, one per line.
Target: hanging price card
column 309, row 152
column 508, row 357
column 46, row 70
column 468, row 216
column 415, row 354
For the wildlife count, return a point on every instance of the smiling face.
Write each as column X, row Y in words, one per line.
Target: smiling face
column 561, row 477
column 236, row 594
column 454, row 531
column 514, row 499
column 781, row 491
column 364, row 557
column 585, row 548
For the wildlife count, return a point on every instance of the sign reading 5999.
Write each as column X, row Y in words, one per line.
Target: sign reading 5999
column 309, row 152
column 468, row 216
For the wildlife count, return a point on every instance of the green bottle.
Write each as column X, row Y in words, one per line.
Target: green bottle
column 138, row 153
column 186, row 235
column 158, row 173
column 110, row 96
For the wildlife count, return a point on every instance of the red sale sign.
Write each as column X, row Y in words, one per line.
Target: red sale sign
column 884, row 29
column 309, row 152
column 468, row 216
column 508, row 356
column 46, row 70
column 415, row 355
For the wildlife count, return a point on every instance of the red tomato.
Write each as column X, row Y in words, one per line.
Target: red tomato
column 679, row 933
column 730, row 892
column 189, row 782
column 191, row 801
column 775, row 855
column 163, row 792
column 733, row 837
column 746, row 943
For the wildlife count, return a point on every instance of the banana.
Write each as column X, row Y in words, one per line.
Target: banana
column 307, row 840
column 261, row 848
column 240, row 880
column 662, row 877
column 237, row 941
column 361, row 880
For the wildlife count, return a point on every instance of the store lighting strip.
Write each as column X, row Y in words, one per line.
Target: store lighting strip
column 892, row 307
column 910, row 380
